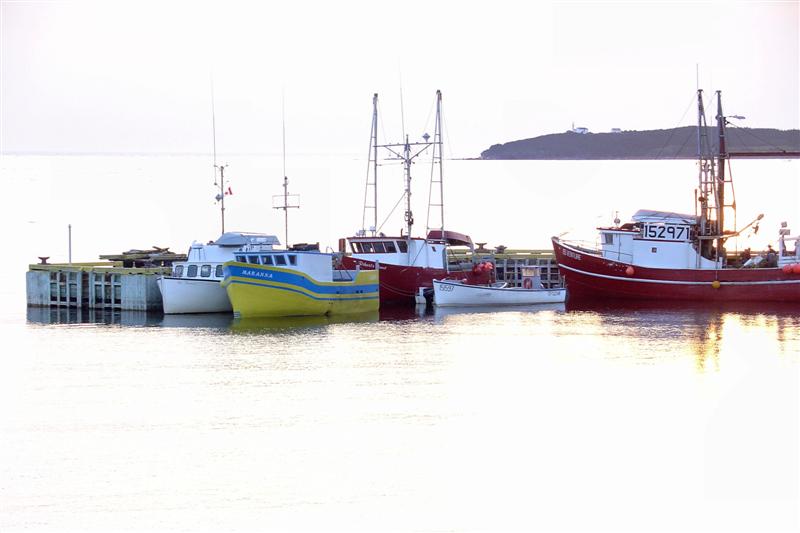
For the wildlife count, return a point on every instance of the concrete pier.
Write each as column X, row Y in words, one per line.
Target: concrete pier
column 94, row 286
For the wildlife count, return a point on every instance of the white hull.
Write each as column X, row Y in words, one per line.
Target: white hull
column 181, row 295
column 455, row 294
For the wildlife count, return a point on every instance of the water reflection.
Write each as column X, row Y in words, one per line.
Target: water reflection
column 278, row 324
column 440, row 314
column 708, row 331
column 77, row 316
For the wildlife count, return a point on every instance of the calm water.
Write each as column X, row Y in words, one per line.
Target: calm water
column 557, row 418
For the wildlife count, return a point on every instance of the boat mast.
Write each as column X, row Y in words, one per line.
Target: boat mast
column 437, row 160
column 372, row 162
column 406, row 151
column 707, row 180
column 720, row 186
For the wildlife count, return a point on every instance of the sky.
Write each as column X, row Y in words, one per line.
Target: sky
column 136, row 77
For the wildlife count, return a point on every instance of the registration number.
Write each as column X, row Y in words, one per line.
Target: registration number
column 667, row 232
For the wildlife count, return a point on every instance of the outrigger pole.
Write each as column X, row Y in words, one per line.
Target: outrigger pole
column 438, row 158
column 372, row 161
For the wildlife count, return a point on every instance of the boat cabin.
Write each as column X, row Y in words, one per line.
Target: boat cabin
column 205, row 260
column 405, row 251
column 656, row 239
column 318, row 266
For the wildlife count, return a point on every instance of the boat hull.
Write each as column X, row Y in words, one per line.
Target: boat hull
column 266, row 291
column 453, row 294
column 399, row 284
column 590, row 276
column 183, row 296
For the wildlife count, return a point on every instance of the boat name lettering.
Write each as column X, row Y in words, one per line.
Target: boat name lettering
column 667, row 232
column 570, row 253
column 369, row 264
column 257, row 274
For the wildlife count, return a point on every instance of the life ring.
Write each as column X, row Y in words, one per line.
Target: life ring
column 527, row 283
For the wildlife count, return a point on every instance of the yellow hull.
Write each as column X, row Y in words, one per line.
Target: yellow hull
column 267, row 291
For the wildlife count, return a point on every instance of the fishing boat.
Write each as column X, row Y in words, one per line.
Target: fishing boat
column 193, row 286
column 662, row 256
column 456, row 293
column 279, row 283
column 408, row 263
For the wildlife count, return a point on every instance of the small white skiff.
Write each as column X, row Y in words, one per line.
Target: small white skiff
column 448, row 293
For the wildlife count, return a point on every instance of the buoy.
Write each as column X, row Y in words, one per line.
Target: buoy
column 796, row 268
column 629, row 271
column 715, row 284
column 787, row 269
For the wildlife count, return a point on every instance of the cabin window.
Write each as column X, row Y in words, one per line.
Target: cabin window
column 378, row 248
column 608, row 238
column 402, row 246
column 178, row 273
column 218, row 271
column 292, row 259
column 266, row 259
column 390, row 248
column 191, row 271
column 241, row 259
column 280, row 260
column 253, row 259
column 205, row 271
column 367, row 247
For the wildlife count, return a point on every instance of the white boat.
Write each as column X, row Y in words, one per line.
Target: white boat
column 194, row 285
column 456, row 293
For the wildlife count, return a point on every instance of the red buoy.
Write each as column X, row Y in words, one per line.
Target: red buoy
column 629, row 271
column 796, row 268
column 787, row 269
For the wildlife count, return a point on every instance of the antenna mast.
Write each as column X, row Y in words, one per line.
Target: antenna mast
column 289, row 200
column 222, row 192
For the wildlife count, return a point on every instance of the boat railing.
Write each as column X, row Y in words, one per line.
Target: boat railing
column 618, row 256
column 587, row 247
column 251, row 247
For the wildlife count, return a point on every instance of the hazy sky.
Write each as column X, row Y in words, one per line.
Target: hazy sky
column 135, row 76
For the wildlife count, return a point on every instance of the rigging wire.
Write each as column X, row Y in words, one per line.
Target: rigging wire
column 749, row 131
column 402, row 197
column 658, row 156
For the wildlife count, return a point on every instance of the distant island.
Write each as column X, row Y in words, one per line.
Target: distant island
column 676, row 143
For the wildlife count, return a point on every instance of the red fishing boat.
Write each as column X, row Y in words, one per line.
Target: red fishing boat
column 661, row 256
column 408, row 265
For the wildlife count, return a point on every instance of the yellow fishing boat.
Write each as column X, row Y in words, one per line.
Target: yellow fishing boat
column 296, row 283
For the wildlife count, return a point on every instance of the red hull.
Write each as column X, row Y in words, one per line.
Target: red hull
column 590, row 276
column 400, row 284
